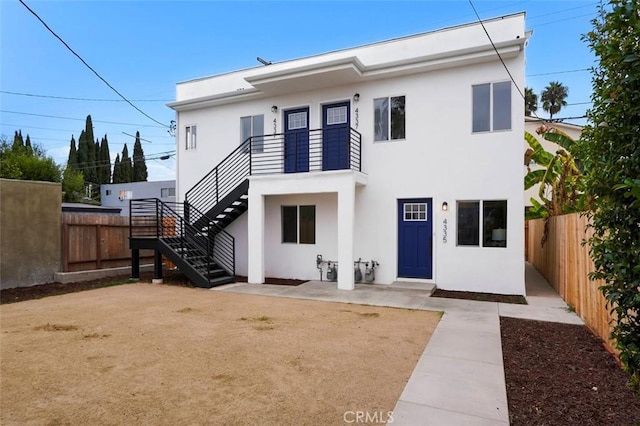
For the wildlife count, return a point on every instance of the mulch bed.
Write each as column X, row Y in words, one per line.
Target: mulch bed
column 275, row 281
column 562, row 374
column 170, row 277
column 482, row 297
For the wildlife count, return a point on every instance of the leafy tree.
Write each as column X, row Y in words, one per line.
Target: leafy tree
column 530, row 101
column 139, row 165
column 72, row 185
column 15, row 163
column 561, row 182
column 610, row 153
column 126, row 169
column 554, row 97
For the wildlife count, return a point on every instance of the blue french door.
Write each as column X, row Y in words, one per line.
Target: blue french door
column 296, row 140
column 335, row 136
column 415, row 238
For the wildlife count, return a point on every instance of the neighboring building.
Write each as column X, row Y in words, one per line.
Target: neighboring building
column 119, row 194
column 531, row 125
column 406, row 152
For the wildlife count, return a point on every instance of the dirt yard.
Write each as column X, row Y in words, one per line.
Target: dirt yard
column 155, row 354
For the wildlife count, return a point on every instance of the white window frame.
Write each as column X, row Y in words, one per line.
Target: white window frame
column 298, row 224
column 389, row 119
column 481, row 220
column 191, row 137
column 258, row 143
column 492, row 107
column 416, row 214
column 171, row 192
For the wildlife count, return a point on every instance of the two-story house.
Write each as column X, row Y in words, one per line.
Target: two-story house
column 406, row 152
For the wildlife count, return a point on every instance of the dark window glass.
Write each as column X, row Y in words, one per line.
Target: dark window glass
column 468, row 223
column 289, row 224
column 481, row 108
column 397, row 117
column 494, row 224
column 307, row 224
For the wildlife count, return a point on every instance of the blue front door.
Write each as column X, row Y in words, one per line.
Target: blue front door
column 335, row 136
column 415, row 238
column 296, row 140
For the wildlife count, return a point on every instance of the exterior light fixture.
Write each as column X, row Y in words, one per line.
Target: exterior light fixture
column 356, row 97
column 274, row 109
column 445, row 206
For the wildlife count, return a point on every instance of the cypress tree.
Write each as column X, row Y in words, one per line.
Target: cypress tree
column 83, row 154
column 139, row 165
column 18, row 142
column 27, row 145
column 125, row 165
column 116, row 178
column 72, row 161
column 105, row 160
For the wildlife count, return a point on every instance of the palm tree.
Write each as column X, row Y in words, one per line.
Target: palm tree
column 530, row 101
column 554, row 97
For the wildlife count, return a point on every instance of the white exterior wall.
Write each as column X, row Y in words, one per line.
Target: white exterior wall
column 440, row 159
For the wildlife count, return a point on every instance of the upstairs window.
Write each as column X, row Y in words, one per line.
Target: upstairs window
column 190, row 137
column 252, row 126
column 389, row 121
column 491, row 107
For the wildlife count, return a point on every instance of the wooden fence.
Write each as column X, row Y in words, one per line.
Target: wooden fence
column 564, row 261
column 96, row 242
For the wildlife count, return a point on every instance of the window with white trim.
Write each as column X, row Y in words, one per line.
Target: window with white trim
column 252, row 127
column 190, row 137
column 414, row 212
column 297, row 120
column 389, row 118
column 167, row 192
column 299, row 224
column 491, row 107
column 482, row 220
column 336, row 115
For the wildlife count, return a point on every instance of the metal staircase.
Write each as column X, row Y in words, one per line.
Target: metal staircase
column 192, row 234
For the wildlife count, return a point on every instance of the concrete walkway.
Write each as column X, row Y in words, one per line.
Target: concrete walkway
column 459, row 378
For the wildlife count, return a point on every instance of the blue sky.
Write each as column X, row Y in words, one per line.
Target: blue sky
column 143, row 48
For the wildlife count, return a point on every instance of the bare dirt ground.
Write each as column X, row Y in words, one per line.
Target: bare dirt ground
column 157, row 354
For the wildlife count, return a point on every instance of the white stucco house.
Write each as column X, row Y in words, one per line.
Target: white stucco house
column 407, row 152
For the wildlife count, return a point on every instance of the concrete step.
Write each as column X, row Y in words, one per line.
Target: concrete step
column 427, row 287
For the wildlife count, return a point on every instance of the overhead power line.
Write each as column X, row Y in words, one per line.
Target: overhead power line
column 78, row 119
column 558, row 72
column 494, row 48
column 33, row 95
column 89, row 66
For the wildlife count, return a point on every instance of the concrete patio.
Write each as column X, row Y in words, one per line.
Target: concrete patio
column 459, row 378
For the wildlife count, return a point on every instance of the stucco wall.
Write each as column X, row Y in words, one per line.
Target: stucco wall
column 30, row 238
column 440, row 158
